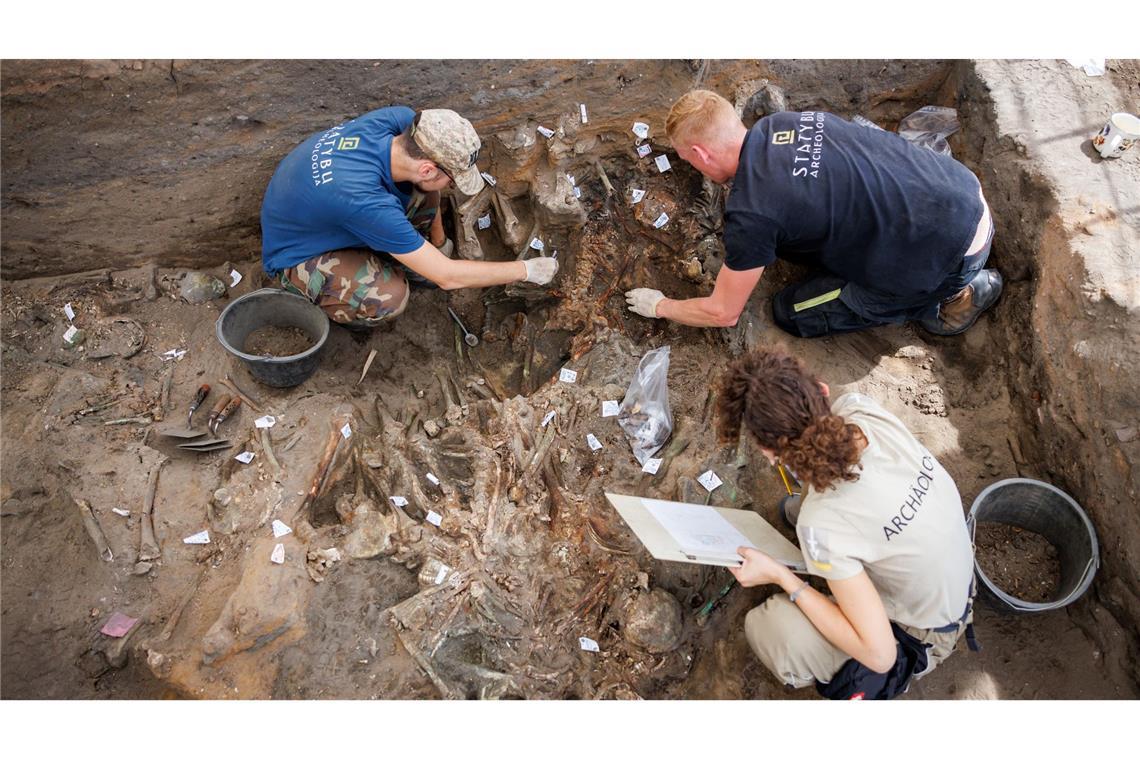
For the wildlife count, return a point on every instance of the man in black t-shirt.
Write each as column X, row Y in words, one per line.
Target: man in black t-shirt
column 899, row 232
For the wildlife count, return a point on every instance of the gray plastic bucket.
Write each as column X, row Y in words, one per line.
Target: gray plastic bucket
column 1051, row 513
column 270, row 306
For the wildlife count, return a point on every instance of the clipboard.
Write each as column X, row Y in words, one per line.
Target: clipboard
column 664, row 545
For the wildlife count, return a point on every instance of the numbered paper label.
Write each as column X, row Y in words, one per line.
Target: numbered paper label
column 567, row 375
column 280, row 529
column 549, row 416
column 484, row 221
column 245, row 457
column 610, row 408
column 644, row 150
column 588, row 644
column 69, row 312
column 661, row 220
column 434, row 518
column 662, row 162
column 638, row 195
column 198, row 538
column 652, row 465
column 399, row 501
column 267, row 421
column 710, row 481
column 641, row 129
column 592, row 439
column 278, row 555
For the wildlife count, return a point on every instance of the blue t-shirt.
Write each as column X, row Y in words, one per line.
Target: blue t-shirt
column 335, row 190
column 862, row 203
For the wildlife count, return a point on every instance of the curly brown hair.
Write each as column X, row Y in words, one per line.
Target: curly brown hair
column 771, row 393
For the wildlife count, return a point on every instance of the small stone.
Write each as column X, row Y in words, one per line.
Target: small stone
column 199, row 287
column 431, row 427
column 1127, row 435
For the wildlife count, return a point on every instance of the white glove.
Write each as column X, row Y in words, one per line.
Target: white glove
column 447, row 248
column 644, row 301
column 541, row 269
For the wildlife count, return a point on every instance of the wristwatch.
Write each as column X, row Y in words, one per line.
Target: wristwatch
column 795, row 594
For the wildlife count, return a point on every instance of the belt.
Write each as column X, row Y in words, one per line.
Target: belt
column 971, row 639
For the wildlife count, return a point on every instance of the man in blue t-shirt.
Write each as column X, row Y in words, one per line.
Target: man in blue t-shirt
column 351, row 201
column 898, row 232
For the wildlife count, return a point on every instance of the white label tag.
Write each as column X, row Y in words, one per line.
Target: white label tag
column 610, row 408
column 641, row 129
column 69, row 312
column 588, row 644
column 267, row 421
column 198, row 538
column 637, row 195
column 443, row 571
column 570, row 177
column 577, row 191
column 346, row 431
column 644, row 150
column 280, row 529
column 661, row 220
column 592, row 439
column 71, row 331
column 245, row 457
column 549, row 416
column 662, row 162
column 567, row 375
column 235, row 277
column 174, row 353
column 483, row 222
column 710, row 481
column 537, row 244
column 434, row 480
column 122, row 512
column 652, row 465
column 488, row 179
column 399, row 501
column 582, row 111
column 434, row 518
column 547, row 133
column 278, row 555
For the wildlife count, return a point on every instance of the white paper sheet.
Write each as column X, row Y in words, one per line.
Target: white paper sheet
column 399, row 501
column 567, row 375
column 644, row 150
column 641, row 129
column 490, row 180
column 662, row 162
column 582, row 111
column 483, row 222
column 699, row 531
column 442, row 574
column 267, row 421
column 346, row 431
column 434, row 518
column 202, row 537
column 661, row 220
column 69, row 312
column 637, row 195
column 652, row 465
column 592, row 439
column 433, row 479
column 71, row 331
column 245, row 457
column 235, row 277
column 121, row 512
column 278, row 555
column 545, row 132
column 537, row 244
column 610, row 408
column 549, row 416
column 588, row 644
column 280, row 529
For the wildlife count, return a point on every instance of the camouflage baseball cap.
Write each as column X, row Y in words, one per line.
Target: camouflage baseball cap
column 451, row 142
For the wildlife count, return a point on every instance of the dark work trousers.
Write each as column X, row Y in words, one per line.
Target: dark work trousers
column 826, row 304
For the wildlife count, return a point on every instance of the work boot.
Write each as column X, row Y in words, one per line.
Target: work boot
column 790, row 509
column 959, row 312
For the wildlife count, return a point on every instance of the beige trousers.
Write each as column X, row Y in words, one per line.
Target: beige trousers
column 798, row 654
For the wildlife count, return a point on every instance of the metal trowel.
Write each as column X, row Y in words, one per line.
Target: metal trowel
column 189, row 431
column 225, row 407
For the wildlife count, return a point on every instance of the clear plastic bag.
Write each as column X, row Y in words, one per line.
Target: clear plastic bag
column 645, row 415
column 929, row 126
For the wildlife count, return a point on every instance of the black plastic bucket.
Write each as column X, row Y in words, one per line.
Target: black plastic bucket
column 270, row 306
column 1051, row 513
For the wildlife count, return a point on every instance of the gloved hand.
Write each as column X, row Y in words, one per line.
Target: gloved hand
column 541, row 269
column 448, row 247
column 644, row 301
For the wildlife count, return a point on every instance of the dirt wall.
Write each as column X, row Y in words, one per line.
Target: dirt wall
column 1068, row 246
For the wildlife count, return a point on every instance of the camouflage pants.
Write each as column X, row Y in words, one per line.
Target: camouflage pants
column 358, row 287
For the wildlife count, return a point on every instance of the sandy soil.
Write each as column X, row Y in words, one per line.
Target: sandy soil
column 220, row 621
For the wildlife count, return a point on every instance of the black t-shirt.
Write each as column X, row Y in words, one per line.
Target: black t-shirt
column 862, row 203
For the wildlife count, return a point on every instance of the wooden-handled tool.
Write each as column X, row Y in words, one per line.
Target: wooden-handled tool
column 199, row 397
column 227, row 410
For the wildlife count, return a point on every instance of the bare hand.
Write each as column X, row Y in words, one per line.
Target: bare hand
column 758, row 568
column 541, row 269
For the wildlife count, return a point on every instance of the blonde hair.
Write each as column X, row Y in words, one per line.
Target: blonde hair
column 699, row 114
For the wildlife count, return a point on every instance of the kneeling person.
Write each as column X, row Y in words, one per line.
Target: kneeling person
column 349, row 203
column 881, row 520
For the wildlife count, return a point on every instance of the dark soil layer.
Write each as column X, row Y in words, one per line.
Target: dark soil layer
column 1022, row 563
column 277, row 341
